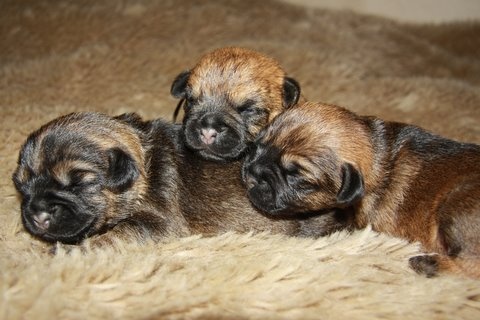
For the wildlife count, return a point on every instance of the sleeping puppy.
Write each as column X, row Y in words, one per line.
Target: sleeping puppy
column 228, row 97
column 90, row 175
column 401, row 179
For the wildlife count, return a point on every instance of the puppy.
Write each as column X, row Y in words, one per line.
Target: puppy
column 401, row 179
column 90, row 175
column 228, row 97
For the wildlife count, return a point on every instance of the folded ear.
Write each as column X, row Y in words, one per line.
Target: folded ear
column 352, row 188
column 122, row 170
column 133, row 119
column 291, row 92
column 179, row 85
column 129, row 117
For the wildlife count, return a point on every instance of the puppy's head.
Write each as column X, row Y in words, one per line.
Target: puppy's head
column 295, row 166
column 228, row 97
column 74, row 172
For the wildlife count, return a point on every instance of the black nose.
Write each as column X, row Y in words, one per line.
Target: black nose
column 256, row 171
column 39, row 213
column 260, row 191
column 42, row 220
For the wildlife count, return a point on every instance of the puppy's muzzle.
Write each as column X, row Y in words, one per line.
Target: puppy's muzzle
column 41, row 220
column 261, row 193
column 54, row 219
column 38, row 214
column 213, row 128
column 215, row 135
column 208, row 135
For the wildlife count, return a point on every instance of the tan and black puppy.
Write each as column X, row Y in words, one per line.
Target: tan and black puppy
column 399, row 178
column 91, row 175
column 228, row 96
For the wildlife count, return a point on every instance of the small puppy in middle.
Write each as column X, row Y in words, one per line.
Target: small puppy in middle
column 399, row 178
column 228, row 96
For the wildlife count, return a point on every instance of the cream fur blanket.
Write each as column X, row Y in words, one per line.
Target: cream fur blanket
column 121, row 56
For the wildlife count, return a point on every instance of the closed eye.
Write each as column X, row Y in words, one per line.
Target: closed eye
column 248, row 107
column 82, row 177
column 297, row 177
column 291, row 169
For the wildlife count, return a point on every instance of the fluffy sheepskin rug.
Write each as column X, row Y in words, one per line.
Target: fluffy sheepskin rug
column 121, row 56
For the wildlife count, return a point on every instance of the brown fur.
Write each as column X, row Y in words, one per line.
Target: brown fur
column 232, row 92
column 406, row 182
column 240, row 74
column 125, row 178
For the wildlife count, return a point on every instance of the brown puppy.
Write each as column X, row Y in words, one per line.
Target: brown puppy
column 90, row 175
column 399, row 178
column 228, row 97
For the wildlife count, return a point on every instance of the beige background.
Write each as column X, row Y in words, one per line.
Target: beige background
column 405, row 10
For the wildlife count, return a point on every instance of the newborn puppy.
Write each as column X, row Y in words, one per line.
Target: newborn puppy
column 401, row 179
column 228, row 97
column 90, row 175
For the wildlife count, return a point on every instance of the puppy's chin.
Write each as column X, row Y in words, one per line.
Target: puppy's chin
column 217, row 155
column 283, row 210
column 276, row 201
column 219, row 141
column 263, row 198
column 70, row 228
column 228, row 145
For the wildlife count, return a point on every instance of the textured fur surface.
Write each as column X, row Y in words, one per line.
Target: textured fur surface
column 115, row 57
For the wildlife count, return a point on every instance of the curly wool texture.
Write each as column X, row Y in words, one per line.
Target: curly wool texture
column 115, row 57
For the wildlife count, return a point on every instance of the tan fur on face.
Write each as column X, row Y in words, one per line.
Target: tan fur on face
column 311, row 128
column 62, row 171
column 105, row 133
column 239, row 74
column 320, row 137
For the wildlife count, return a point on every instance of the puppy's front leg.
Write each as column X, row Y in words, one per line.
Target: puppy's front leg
column 143, row 226
column 431, row 265
column 123, row 232
column 109, row 239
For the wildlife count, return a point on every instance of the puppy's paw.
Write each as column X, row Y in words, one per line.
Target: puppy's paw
column 427, row 265
column 63, row 249
column 53, row 250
